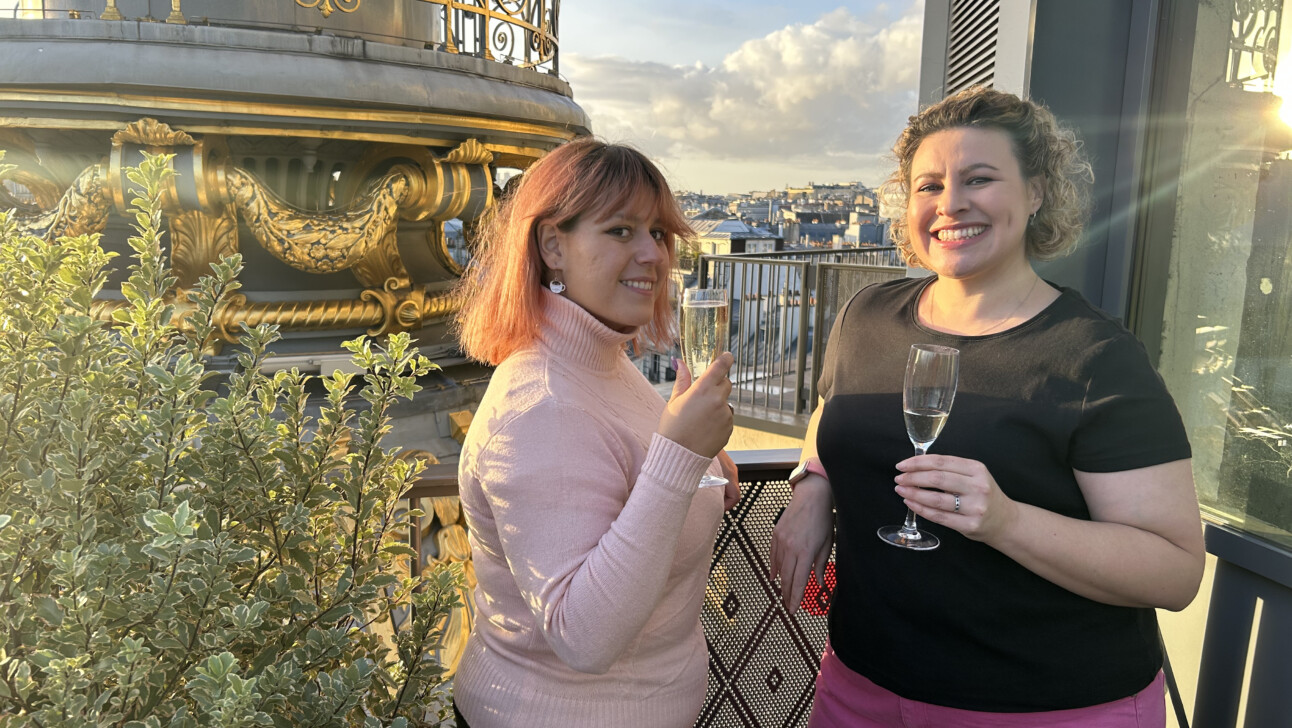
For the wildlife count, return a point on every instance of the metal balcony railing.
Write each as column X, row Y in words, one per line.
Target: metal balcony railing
column 783, row 305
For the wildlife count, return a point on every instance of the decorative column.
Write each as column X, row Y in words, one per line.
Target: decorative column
column 176, row 16
column 111, row 12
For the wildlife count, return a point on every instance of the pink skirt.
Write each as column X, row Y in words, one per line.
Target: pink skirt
column 845, row 699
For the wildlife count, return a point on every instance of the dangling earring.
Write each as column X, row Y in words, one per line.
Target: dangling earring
column 556, row 286
column 1031, row 218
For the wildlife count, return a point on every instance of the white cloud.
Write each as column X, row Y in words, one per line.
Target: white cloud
column 826, row 98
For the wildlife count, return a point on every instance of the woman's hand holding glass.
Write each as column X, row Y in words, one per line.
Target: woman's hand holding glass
column 697, row 416
column 703, row 325
column 932, row 374
column 958, row 493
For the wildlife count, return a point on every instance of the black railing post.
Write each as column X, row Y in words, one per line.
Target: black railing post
column 761, row 286
column 805, row 303
column 823, row 272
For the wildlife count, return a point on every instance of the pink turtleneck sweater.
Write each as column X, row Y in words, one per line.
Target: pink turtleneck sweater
column 590, row 540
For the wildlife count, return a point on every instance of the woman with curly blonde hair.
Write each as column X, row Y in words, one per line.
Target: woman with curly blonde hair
column 1060, row 487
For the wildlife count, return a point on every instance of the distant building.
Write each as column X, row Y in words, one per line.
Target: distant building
column 720, row 237
column 867, row 232
column 754, row 211
column 811, row 233
column 816, row 214
column 697, row 203
column 712, row 213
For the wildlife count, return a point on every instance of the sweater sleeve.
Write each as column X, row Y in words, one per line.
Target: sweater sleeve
column 591, row 565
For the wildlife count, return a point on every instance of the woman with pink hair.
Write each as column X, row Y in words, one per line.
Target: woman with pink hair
column 590, row 537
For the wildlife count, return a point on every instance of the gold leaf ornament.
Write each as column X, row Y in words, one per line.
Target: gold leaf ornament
column 326, row 8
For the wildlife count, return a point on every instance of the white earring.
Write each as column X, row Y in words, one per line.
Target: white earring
column 556, row 286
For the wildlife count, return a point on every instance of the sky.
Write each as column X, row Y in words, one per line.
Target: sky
column 747, row 95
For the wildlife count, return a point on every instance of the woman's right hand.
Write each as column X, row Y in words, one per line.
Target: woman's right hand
column 802, row 539
column 697, row 416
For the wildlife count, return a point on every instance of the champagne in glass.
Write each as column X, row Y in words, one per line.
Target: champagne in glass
column 932, row 373
column 704, row 338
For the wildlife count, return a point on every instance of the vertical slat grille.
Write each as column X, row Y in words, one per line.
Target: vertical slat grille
column 971, row 43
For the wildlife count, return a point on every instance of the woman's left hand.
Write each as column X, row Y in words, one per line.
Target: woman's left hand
column 957, row 493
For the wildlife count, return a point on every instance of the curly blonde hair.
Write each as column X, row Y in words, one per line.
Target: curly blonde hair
column 1043, row 147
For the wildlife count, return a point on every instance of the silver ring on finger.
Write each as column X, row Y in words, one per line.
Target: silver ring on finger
column 957, row 510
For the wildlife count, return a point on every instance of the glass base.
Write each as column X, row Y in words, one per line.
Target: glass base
column 913, row 539
column 711, row 481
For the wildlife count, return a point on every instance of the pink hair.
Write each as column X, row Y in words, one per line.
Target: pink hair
column 501, row 298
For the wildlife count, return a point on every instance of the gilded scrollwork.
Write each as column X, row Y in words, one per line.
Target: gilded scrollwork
column 44, row 192
column 317, row 242
column 82, row 210
column 20, row 151
column 377, row 310
column 148, row 132
column 210, row 198
column 198, row 240
column 453, row 546
column 437, row 243
column 470, row 152
column 383, row 264
column 326, row 8
column 449, row 527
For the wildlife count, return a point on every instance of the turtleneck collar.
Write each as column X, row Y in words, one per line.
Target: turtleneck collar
column 578, row 336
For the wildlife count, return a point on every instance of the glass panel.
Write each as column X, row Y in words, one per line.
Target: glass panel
column 1227, row 348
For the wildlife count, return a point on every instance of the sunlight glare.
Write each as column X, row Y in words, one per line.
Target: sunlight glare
column 1283, row 71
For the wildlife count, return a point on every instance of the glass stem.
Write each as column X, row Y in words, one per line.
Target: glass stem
column 908, row 526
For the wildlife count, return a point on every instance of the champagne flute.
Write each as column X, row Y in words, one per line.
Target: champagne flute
column 704, row 338
column 931, row 376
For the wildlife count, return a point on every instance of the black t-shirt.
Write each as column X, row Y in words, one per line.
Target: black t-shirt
column 964, row 625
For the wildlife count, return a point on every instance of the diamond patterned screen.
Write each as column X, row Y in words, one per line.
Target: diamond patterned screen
column 762, row 661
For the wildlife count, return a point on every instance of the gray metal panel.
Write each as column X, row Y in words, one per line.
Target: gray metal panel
column 970, row 42
column 1082, row 69
column 1014, row 46
column 933, row 51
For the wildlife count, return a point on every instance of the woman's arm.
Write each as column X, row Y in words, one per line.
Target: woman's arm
column 589, row 543
column 1142, row 548
column 804, row 534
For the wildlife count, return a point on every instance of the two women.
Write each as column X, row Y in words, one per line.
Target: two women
column 1060, row 486
column 590, row 538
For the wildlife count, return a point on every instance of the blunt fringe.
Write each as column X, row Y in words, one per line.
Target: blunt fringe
column 1044, row 148
column 500, row 308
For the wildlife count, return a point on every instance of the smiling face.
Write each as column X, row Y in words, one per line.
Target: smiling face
column 614, row 262
column 969, row 204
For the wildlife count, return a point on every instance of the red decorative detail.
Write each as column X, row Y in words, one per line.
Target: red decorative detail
column 815, row 599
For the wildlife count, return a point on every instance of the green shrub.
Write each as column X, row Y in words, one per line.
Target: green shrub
column 184, row 548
